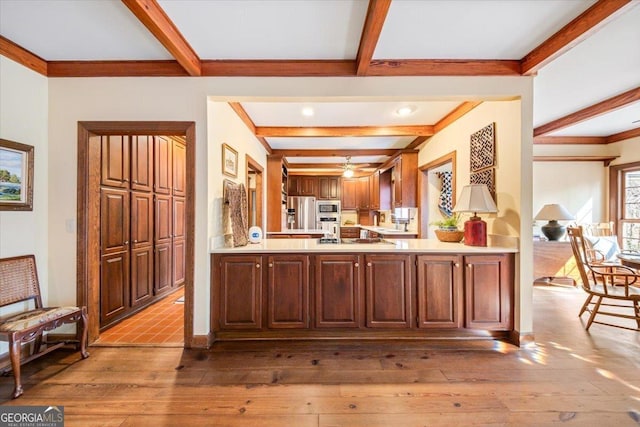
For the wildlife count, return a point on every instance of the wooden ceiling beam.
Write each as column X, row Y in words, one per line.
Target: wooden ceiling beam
column 451, row 117
column 22, row 56
column 278, row 68
column 576, row 31
column 340, row 131
column 376, row 15
column 156, row 20
column 116, row 69
column 332, row 165
column 558, row 140
column 598, row 109
column 242, row 114
column 335, row 153
column 443, row 67
column 621, row 136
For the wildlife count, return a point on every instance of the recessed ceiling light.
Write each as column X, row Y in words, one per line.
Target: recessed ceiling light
column 307, row 111
column 406, row 110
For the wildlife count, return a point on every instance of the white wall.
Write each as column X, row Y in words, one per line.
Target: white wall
column 84, row 99
column 628, row 150
column 23, row 119
column 224, row 126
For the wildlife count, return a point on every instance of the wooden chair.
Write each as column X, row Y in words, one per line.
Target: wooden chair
column 612, row 286
column 19, row 284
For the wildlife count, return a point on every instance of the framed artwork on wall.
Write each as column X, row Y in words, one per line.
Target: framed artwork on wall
column 16, row 176
column 483, row 148
column 229, row 161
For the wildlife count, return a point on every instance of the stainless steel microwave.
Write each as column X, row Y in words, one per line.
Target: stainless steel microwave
column 328, row 206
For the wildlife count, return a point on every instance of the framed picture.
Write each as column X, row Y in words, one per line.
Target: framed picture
column 229, row 161
column 16, row 176
column 483, row 148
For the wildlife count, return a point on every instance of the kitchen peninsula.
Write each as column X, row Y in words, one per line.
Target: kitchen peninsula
column 391, row 289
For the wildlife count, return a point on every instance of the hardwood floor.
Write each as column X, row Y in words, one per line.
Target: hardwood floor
column 570, row 377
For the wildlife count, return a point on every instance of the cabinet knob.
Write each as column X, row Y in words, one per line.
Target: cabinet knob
column 135, row 181
column 457, row 264
column 356, row 265
column 270, row 264
column 257, row 265
column 126, row 242
column 135, row 241
column 469, row 265
column 368, row 264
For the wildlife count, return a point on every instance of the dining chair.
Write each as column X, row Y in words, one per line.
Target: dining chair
column 612, row 286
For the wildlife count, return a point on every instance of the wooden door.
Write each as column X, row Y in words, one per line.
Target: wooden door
column 338, row 296
column 349, row 194
column 162, row 221
column 388, row 291
column 141, row 163
column 293, row 185
column 114, row 221
column 329, row 188
column 374, row 191
column 179, row 218
column 240, row 292
column 488, row 291
column 141, row 219
column 179, row 176
column 288, row 291
column 163, row 261
column 114, row 158
column 397, row 183
column 141, row 276
column 179, row 265
column 363, row 192
column 114, row 287
column 439, row 297
column 163, row 165
column 308, row 185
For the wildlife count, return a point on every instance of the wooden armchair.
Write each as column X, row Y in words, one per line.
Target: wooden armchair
column 612, row 286
column 19, row 284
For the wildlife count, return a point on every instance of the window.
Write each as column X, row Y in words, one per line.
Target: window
column 625, row 207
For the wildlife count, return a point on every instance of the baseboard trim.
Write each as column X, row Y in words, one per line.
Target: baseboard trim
column 521, row 339
column 202, row 341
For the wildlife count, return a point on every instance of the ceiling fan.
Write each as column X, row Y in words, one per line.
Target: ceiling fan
column 348, row 168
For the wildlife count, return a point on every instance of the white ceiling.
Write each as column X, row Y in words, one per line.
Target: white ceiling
column 606, row 64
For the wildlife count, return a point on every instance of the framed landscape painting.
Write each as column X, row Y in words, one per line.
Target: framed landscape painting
column 229, row 161
column 16, row 176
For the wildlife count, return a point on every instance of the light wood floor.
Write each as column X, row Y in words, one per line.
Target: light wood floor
column 570, row 377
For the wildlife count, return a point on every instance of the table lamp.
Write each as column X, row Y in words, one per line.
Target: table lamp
column 477, row 199
column 553, row 213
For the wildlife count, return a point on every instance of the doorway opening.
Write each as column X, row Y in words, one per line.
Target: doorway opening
column 254, row 192
column 430, row 187
column 90, row 243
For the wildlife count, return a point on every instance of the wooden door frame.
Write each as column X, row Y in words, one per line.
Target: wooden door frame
column 423, row 178
column 251, row 163
column 88, row 212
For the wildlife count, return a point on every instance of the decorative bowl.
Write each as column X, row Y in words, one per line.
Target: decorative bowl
column 452, row 236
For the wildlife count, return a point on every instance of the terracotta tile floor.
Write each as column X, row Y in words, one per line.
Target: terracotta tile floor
column 160, row 324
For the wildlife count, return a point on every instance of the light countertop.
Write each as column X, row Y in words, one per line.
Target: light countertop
column 298, row 231
column 395, row 245
column 388, row 230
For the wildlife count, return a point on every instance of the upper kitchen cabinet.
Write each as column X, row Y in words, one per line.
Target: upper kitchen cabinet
column 374, row 191
column 302, row 185
column 399, row 182
column 362, row 195
column 349, row 194
column 328, row 188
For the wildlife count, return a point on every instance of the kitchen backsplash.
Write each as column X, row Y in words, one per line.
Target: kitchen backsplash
column 384, row 219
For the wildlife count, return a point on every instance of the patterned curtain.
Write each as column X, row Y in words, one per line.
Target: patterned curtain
column 445, row 204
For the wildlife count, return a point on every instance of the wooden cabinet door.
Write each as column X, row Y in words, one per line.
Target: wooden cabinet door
column 114, row 220
column 114, row 287
column 162, row 221
column 363, row 192
column 293, row 185
column 115, row 161
column 142, row 163
column 179, row 264
column 308, row 185
column 288, row 291
column 397, row 183
column 141, row 219
column 179, row 229
column 328, row 188
column 163, row 278
column 488, row 291
column 163, row 165
column 388, row 291
column 338, row 295
column 374, row 191
column 241, row 292
column 349, row 194
column 440, row 300
column 179, row 178
column 141, row 276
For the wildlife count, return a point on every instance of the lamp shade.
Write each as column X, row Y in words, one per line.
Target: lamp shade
column 554, row 212
column 475, row 198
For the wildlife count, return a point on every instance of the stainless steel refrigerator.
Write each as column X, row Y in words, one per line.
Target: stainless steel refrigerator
column 301, row 213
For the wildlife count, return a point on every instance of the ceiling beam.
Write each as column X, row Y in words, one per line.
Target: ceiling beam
column 278, row 68
column 156, row 20
column 550, row 140
column 576, row 31
column 338, row 131
column 451, row 117
column 443, row 67
column 22, row 56
column 628, row 134
column 332, row 165
column 242, row 114
column 376, row 15
column 336, row 153
column 116, row 69
column 598, row 109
